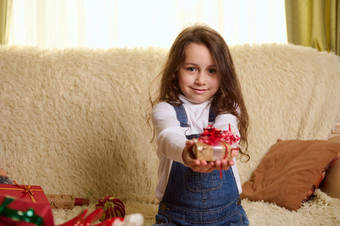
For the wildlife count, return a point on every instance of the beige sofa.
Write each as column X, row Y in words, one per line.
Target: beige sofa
column 74, row 121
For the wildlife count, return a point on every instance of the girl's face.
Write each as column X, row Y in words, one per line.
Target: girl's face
column 198, row 75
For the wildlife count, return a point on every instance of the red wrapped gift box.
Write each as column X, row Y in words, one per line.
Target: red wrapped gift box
column 29, row 193
column 25, row 197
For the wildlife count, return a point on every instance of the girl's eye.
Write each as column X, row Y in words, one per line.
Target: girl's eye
column 191, row 69
column 212, row 71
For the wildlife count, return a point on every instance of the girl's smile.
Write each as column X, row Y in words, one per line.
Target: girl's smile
column 198, row 75
column 199, row 91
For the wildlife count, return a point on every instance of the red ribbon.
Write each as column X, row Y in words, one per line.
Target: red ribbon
column 87, row 220
column 83, row 220
column 213, row 136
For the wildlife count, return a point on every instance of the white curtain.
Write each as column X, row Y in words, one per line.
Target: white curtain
column 142, row 23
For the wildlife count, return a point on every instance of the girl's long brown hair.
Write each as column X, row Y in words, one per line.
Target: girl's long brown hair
column 229, row 98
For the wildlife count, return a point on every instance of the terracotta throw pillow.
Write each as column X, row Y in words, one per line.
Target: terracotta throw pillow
column 290, row 172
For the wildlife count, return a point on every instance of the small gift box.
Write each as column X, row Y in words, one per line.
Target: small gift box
column 25, row 200
column 208, row 152
column 215, row 144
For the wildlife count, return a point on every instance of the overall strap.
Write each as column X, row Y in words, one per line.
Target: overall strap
column 183, row 118
column 212, row 116
column 181, row 115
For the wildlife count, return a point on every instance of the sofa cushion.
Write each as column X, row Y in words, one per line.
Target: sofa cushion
column 290, row 171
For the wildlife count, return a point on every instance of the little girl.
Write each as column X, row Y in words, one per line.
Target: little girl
column 199, row 86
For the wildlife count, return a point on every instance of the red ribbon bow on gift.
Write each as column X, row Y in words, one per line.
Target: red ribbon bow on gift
column 213, row 136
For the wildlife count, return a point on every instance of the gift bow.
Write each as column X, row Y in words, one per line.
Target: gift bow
column 213, row 136
column 18, row 215
column 28, row 190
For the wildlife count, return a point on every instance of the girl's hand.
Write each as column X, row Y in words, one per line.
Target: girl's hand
column 225, row 164
column 196, row 165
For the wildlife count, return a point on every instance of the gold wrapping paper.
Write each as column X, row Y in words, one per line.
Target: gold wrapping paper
column 207, row 152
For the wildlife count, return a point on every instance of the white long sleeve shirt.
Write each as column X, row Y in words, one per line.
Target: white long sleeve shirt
column 171, row 137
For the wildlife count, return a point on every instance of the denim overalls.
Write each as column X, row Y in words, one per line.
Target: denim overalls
column 193, row 198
